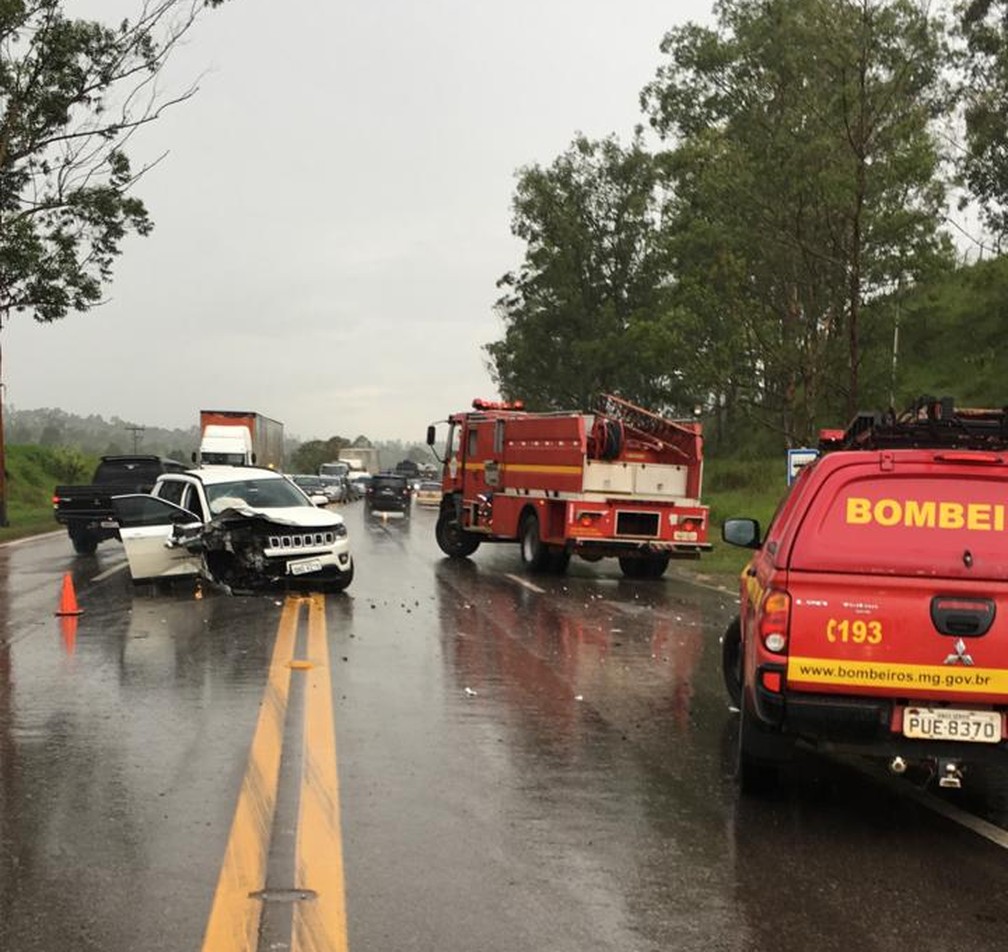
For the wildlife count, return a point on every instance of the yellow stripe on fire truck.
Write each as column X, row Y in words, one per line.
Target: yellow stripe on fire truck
column 515, row 468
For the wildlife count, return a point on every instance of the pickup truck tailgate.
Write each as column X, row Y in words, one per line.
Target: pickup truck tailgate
column 906, row 636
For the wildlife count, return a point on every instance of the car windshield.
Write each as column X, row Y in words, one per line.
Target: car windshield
column 222, row 459
column 257, row 493
column 125, row 470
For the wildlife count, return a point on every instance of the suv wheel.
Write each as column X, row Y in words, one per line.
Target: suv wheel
column 337, row 585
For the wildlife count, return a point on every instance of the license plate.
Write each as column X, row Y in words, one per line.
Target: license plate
column 109, row 524
column 304, row 566
column 946, row 723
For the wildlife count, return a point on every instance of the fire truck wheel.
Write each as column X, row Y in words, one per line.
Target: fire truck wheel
column 632, row 566
column 559, row 560
column 656, row 566
column 534, row 553
column 731, row 661
column 452, row 539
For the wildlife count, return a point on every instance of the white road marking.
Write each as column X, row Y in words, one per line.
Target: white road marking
column 525, row 583
column 110, row 571
column 31, row 538
column 989, row 831
column 981, row 827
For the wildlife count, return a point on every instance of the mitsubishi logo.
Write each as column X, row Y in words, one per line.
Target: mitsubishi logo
column 960, row 656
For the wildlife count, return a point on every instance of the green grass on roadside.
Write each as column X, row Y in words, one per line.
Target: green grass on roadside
column 30, row 523
column 32, row 472
column 751, row 488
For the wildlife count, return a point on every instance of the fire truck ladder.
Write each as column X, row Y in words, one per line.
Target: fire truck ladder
column 679, row 438
column 929, row 423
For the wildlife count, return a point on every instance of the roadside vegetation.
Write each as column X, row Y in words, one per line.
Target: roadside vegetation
column 778, row 247
column 32, row 472
column 73, row 92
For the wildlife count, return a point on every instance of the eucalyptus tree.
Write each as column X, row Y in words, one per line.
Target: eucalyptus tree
column 589, row 308
column 72, row 94
column 984, row 26
column 806, row 180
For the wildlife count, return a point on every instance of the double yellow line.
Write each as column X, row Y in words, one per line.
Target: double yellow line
column 319, row 920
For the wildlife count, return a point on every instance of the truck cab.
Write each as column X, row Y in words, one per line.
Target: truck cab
column 226, row 446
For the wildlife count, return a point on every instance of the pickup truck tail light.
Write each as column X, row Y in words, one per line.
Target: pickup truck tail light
column 774, row 620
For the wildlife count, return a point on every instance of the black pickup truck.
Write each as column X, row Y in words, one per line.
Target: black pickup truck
column 86, row 510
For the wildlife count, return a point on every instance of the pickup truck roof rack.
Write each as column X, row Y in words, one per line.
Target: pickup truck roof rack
column 929, row 423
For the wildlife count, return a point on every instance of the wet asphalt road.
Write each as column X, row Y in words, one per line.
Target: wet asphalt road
column 524, row 763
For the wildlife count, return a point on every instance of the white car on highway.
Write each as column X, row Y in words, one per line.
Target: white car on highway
column 244, row 528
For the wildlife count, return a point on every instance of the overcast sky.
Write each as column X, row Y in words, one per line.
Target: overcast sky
column 335, row 209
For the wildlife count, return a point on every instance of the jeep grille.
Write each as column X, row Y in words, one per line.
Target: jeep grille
column 306, row 540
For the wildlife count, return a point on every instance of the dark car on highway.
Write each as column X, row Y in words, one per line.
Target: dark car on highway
column 388, row 493
column 312, row 486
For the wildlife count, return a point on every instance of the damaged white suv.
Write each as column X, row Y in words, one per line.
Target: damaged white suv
column 243, row 528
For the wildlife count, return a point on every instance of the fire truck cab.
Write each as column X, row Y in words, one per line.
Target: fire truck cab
column 617, row 482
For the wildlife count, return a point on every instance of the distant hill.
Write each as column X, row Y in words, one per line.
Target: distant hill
column 94, row 434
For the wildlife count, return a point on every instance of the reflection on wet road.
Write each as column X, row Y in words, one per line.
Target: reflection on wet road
column 524, row 762
column 316, row 890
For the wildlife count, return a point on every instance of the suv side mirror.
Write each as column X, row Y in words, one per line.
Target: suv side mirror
column 741, row 532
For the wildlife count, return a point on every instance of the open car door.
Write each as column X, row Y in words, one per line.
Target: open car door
column 147, row 526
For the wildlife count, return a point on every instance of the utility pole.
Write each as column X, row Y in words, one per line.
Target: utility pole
column 895, row 344
column 136, row 431
column 3, row 467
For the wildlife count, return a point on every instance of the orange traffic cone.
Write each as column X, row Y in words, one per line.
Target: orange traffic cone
column 68, row 600
column 68, row 628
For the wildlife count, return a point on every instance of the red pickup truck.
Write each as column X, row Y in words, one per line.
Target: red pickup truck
column 874, row 611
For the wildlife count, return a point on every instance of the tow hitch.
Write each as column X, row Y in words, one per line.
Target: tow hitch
column 949, row 774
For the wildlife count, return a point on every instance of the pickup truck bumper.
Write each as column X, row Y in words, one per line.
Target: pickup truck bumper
column 862, row 726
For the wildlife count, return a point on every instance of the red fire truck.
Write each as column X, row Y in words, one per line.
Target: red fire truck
column 617, row 482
